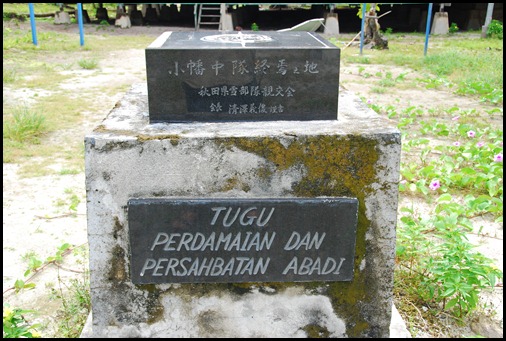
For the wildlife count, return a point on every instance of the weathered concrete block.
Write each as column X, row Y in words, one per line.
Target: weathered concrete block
column 123, row 21
column 356, row 156
column 440, row 24
column 61, row 17
column 331, row 24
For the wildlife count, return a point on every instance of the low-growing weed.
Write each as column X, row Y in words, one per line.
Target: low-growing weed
column 16, row 325
column 88, row 64
column 24, row 125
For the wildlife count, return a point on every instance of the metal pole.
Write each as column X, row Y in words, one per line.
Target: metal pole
column 427, row 29
column 362, row 30
column 80, row 22
column 32, row 22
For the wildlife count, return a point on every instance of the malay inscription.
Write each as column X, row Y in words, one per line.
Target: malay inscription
column 242, row 240
column 242, row 77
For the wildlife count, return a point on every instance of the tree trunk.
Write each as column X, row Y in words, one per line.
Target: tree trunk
column 372, row 31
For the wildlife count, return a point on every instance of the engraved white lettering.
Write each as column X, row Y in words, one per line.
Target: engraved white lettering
column 310, row 266
column 159, row 240
column 206, row 267
column 295, row 241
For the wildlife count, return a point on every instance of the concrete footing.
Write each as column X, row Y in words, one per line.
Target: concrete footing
column 61, row 17
column 331, row 25
column 123, row 21
column 440, row 24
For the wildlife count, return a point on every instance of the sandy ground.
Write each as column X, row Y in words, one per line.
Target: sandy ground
column 34, row 225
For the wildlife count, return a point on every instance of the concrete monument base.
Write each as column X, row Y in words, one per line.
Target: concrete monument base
column 440, row 25
column 356, row 156
column 398, row 329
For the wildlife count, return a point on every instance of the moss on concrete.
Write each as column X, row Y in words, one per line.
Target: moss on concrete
column 234, row 182
column 117, row 273
column 335, row 166
column 315, row 331
column 174, row 138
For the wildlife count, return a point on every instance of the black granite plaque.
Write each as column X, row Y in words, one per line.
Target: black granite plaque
column 242, row 240
column 234, row 76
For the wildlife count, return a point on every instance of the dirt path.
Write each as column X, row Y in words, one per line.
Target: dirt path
column 36, row 210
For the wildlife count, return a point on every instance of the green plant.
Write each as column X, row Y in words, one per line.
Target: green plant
column 446, row 267
column 463, row 176
column 15, row 324
column 495, row 29
column 88, row 64
column 254, row 27
column 71, row 201
column 76, row 300
column 35, row 265
column 367, row 9
column 66, row 171
column 9, row 75
column 60, row 252
column 453, row 28
column 24, row 126
column 76, row 306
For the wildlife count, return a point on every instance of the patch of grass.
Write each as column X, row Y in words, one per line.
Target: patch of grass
column 66, row 171
column 471, row 63
column 75, row 298
column 24, row 125
column 9, row 75
column 44, row 157
column 88, row 64
column 378, row 90
column 387, row 82
column 68, row 148
column 22, row 8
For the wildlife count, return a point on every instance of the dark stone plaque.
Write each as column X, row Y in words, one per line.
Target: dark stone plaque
column 242, row 240
column 234, row 76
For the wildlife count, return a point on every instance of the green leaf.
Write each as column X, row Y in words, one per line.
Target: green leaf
column 448, row 292
column 19, row 284
column 64, row 247
column 451, row 303
column 29, row 286
column 444, row 198
column 427, row 171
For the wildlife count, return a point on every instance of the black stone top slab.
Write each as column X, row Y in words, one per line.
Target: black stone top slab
column 242, row 240
column 229, row 40
column 217, row 76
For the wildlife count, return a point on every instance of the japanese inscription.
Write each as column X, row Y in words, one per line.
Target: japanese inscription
column 275, row 76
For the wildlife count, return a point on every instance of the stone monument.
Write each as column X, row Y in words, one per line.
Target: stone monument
column 242, row 76
column 216, row 223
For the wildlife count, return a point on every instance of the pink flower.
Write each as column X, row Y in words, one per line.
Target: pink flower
column 471, row 133
column 498, row 157
column 456, row 143
column 434, row 185
column 480, row 144
column 369, row 101
column 455, row 118
column 404, row 182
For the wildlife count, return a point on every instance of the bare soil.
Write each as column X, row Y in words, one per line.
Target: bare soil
column 35, row 224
